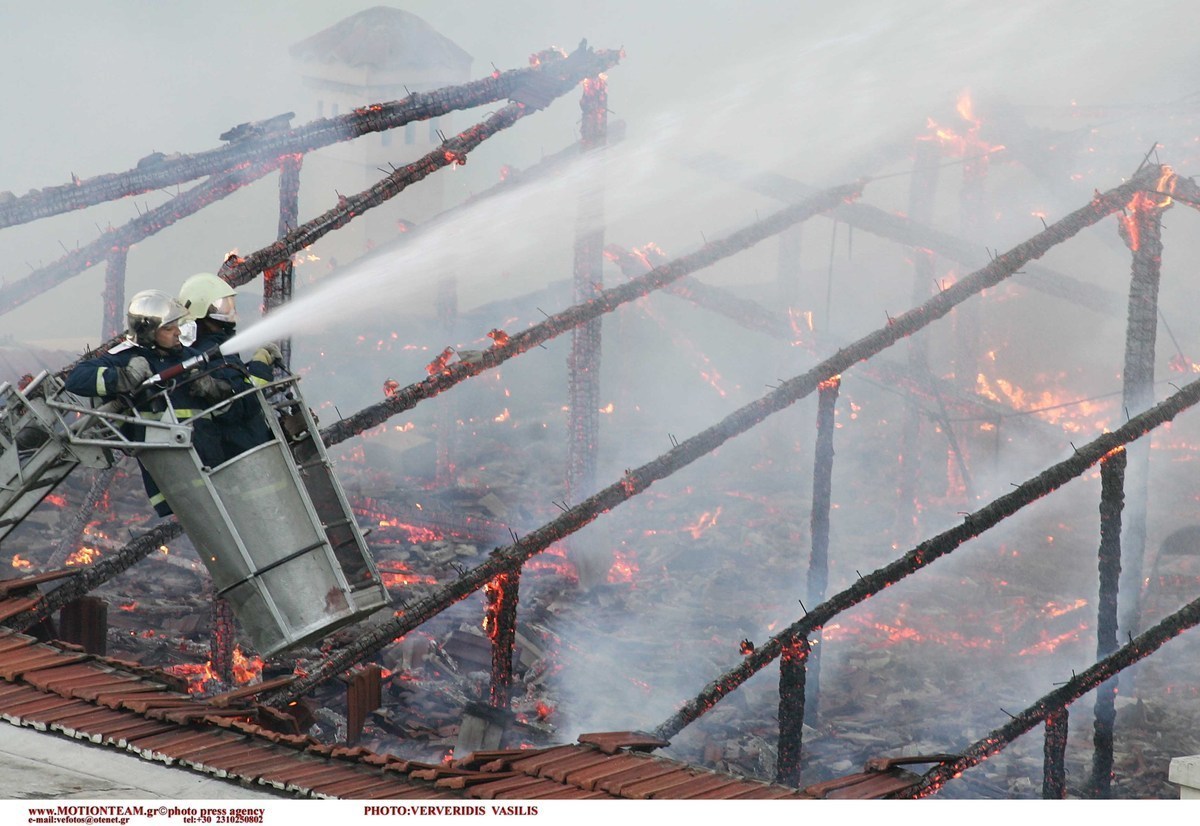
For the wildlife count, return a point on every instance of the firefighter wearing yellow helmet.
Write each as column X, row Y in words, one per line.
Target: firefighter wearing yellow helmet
column 211, row 303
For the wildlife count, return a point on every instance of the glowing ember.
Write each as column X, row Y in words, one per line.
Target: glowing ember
column 1072, row 415
column 623, row 569
column 18, row 562
column 246, row 669
column 498, row 337
column 83, row 556
column 1049, row 643
column 438, row 365
column 196, row 674
column 390, row 387
column 399, row 574
column 703, row 523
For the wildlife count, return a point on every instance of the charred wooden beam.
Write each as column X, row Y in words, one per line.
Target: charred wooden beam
column 605, row 301
column 113, row 323
column 911, row 233
column 222, row 637
column 931, row 550
column 159, row 171
column 93, row 576
column 1140, row 227
column 972, row 197
column 754, row 316
column 557, row 78
column 822, row 496
column 277, row 281
column 500, row 623
column 583, row 363
column 1054, row 763
column 922, row 193
column 410, row 616
column 792, row 679
column 1106, row 669
column 72, row 536
column 447, row 414
column 1112, row 501
column 16, row 293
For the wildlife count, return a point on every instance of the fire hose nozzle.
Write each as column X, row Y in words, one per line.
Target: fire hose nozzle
column 182, row 367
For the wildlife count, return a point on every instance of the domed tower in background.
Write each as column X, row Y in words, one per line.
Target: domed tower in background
column 377, row 55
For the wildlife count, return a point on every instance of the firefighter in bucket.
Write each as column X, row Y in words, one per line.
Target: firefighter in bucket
column 152, row 344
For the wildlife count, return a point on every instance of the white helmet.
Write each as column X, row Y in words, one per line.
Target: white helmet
column 149, row 310
column 205, row 295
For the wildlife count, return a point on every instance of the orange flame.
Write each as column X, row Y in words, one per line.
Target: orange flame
column 623, row 569
column 83, row 556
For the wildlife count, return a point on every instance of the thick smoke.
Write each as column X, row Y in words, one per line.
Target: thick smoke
column 1068, row 98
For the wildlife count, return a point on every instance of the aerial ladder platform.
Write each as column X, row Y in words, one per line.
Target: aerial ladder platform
column 272, row 525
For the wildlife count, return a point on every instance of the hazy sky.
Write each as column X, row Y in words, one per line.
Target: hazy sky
column 797, row 87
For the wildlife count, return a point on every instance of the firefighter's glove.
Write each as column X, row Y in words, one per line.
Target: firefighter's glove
column 211, row 390
column 269, row 354
column 131, row 376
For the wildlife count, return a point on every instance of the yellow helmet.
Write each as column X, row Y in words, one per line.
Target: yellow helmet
column 205, row 295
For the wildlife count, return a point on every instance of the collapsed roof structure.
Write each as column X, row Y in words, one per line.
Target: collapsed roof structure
column 1121, row 455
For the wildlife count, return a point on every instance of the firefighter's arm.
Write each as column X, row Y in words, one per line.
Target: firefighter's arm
column 262, row 364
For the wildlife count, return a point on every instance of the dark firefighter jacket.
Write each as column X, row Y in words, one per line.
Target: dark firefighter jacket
column 241, row 426
column 97, row 378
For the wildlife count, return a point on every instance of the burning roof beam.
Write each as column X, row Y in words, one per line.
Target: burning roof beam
column 16, row 293
column 583, row 416
column 557, row 79
column 1106, row 669
column 1140, row 227
column 1054, row 773
column 157, row 172
column 922, row 193
column 1112, row 501
column 410, row 616
column 819, row 522
column 114, row 292
column 754, row 316
column 277, row 281
column 793, row 676
column 931, row 550
column 912, row 233
column 73, row 535
column 604, row 301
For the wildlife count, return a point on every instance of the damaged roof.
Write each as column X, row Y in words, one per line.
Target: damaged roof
column 383, row 38
column 58, row 688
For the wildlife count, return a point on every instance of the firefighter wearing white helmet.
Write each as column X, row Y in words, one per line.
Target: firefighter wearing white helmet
column 211, row 303
column 151, row 345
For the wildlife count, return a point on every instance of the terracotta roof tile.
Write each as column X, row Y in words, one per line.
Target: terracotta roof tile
column 615, row 784
column 128, row 706
column 612, row 742
column 591, row 777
